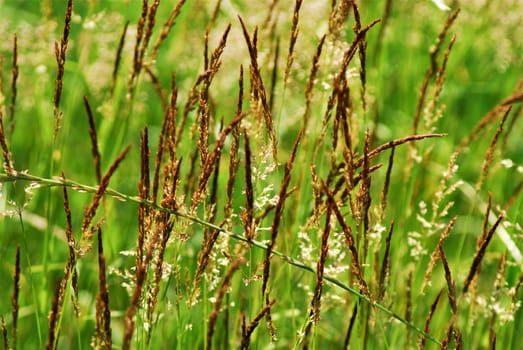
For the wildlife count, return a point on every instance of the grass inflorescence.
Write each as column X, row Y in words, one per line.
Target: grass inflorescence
column 258, row 175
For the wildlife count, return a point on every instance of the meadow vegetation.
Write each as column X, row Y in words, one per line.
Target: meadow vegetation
column 261, row 174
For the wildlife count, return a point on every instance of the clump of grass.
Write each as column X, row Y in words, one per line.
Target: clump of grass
column 264, row 195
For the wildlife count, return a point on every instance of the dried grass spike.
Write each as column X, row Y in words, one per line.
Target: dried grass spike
column 90, row 211
column 118, row 58
column 408, row 308
column 431, row 71
column 436, row 254
column 14, row 298
column 278, row 211
column 224, row 287
column 423, row 338
column 210, row 161
column 385, row 266
column 450, row 283
column 167, row 139
column 309, row 85
column 490, row 152
column 364, row 196
column 320, row 267
column 480, row 252
column 349, row 238
column 292, row 41
column 248, row 214
column 151, row 21
column 60, row 53
column 260, row 88
column 14, row 77
column 103, row 314
column 166, row 28
column 372, row 154
column 94, row 141
column 8, row 162
column 137, row 63
column 248, row 330
column 385, row 190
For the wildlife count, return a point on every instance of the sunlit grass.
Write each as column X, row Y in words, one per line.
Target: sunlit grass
column 297, row 202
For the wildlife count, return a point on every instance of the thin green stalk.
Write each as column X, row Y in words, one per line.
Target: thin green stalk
column 24, row 176
column 33, row 291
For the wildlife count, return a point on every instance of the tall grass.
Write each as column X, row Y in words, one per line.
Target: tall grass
column 260, row 175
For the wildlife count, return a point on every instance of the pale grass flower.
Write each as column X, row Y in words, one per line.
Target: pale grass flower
column 507, row 163
column 422, row 207
column 416, row 249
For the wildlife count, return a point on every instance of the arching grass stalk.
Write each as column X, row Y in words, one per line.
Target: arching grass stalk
column 60, row 181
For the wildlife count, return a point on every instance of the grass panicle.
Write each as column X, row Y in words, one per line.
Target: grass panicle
column 436, row 253
column 94, row 141
column 363, row 197
column 422, row 339
column 166, row 28
column 259, row 88
column 338, row 16
column 234, row 160
column 278, row 212
column 103, row 339
column 151, row 21
column 247, row 330
column 292, row 41
column 451, row 287
column 118, row 58
column 490, row 151
column 408, row 307
column 432, row 72
column 15, row 299
column 314, row 316
column 274, row 74
column 166, row 139
column 432, row 115
column 224, row 287
column 480, row 253
column 351, row 242
column 489, row 118
column 60, row 53
column 362, row 47
column 90, row 211
column 309, row 85
column 210, row 162
column 339, row 79
column 8, row 162
column 385, row 266
column 137, row 63
column 248, row 214
column 386, row 183
column 164, row 227
column 70, row 269
column 15, row 70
